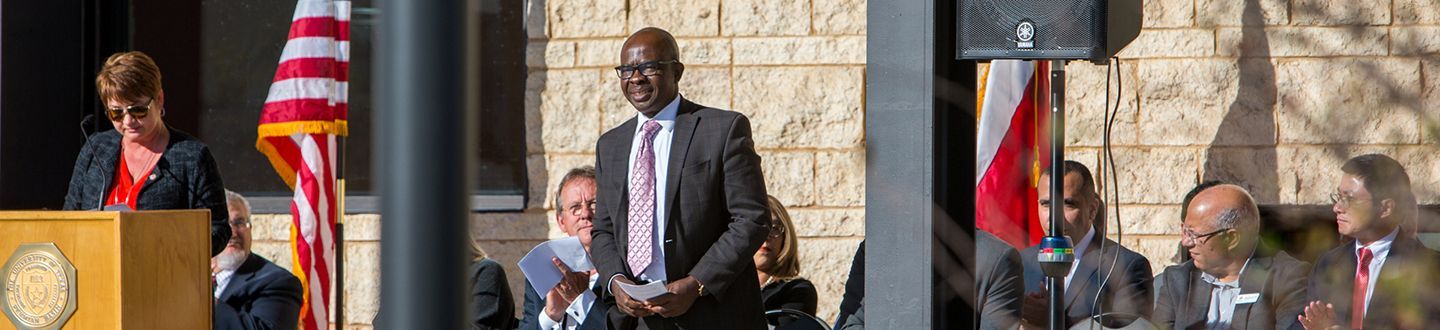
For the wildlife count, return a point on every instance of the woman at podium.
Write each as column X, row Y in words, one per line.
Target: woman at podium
column 142, row 164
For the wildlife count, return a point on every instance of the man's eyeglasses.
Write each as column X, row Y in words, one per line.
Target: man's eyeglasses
column 135, row 111
column 1188, row 235
column 240, row 222
column 650, row 68
column 1343, row 201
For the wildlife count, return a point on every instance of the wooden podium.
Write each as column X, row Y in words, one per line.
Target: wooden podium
column 132, row 270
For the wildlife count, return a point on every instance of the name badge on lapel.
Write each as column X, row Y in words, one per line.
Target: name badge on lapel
column 1247, row 298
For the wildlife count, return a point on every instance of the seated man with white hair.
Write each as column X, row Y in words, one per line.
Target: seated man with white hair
column 250, row 291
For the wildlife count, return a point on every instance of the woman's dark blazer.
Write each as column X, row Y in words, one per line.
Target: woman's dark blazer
column 185, row 178
column 491, row 305
column 797, row 294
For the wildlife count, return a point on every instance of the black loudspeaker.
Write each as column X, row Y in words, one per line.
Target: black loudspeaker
column 1091, row 30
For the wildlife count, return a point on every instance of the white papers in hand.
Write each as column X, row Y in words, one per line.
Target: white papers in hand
column 644, row 292
column 542, row 272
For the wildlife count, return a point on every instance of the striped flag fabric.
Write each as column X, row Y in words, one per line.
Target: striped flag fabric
column 304, row 112
column 1008, row 150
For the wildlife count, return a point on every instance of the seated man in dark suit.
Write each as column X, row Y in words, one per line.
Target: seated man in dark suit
column 997, row 283
column 1125, row 289
column 251, row 292
column 1383, row 278
column 1233, row 281
column 572, row 303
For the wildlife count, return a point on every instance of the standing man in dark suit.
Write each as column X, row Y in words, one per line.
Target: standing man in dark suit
column 251, row 292
column 1232, row 281
column 1126, row 288
column 571, row 304
column 681, row 201
column 1383, row 278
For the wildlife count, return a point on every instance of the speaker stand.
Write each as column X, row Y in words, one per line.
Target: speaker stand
column 1056, row 255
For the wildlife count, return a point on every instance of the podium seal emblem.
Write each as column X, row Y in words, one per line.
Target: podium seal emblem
column 39, row 287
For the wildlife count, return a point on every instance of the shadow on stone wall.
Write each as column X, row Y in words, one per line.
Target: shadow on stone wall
column 1250, row 121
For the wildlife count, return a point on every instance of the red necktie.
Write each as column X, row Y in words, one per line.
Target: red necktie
column 1362, row 284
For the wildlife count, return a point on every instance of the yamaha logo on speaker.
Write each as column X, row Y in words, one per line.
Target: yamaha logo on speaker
column 1025, row 34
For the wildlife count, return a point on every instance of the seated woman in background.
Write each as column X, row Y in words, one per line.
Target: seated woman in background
column 491, row 305
column 777, row 264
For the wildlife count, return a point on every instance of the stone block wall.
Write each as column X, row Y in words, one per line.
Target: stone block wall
column 796, row 68
column 1271, row 94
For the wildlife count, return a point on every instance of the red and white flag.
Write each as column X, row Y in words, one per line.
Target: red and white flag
column 304, row 112
column 1007, row 150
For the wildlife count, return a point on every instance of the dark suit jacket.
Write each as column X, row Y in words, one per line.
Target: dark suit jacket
column 260, row 295
column 534, row 306
column 491, row 305
column 1277, row 277
column 716, row 215
column 998, row 285
column 185, row 178
column 854, row 287
column 1405, row 295
column 797, row 294
column 1128, row 289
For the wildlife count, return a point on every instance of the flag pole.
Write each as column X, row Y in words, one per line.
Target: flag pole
column 339, row 287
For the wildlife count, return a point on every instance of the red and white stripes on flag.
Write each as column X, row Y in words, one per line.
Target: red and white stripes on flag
column 1007, row 151
column 304, row 112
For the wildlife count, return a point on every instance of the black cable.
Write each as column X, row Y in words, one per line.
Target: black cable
column 1114, row 188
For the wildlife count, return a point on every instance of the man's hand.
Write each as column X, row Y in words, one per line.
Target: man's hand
column 1036, row 308
column 1319, row 316
column 683, row 293
column 571, row 286
column 628, row 306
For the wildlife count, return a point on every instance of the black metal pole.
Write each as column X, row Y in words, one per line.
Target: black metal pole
column 425, row 75
column 339, row 285
column 1058, row 267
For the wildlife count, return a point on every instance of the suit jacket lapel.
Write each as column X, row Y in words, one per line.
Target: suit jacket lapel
column 1085, row 275
column 242, row 275
column 621, row 160
column 679, row 145
column 1198, row 299
column 108, row 158
column 1341, row 275
column 1255, row 280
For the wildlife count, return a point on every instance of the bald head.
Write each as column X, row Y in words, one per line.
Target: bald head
column 652, row 39
column 1227, row 206
column 650, row 70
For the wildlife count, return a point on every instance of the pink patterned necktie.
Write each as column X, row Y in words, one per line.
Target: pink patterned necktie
column 642, row 202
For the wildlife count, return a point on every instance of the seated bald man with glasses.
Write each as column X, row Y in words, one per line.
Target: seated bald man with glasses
column 1233, row 280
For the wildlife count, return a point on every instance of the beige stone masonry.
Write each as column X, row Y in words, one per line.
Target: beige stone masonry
column 1341, row 12
column 1304, row 41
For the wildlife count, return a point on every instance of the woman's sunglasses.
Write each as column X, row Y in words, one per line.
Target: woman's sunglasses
column 136, row 111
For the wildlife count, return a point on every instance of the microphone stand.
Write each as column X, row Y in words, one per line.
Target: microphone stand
column 1056, row 252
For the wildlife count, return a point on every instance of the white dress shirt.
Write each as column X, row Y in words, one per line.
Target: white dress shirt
column 1378, row 249
column 1079, row 251
column 574, row 314
column 666, row 118
column 222, row 280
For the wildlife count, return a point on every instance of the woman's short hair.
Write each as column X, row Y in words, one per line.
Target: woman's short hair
column 129, row 76
column 787, row 264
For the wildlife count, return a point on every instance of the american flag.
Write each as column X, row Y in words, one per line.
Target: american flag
column 304, row 112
